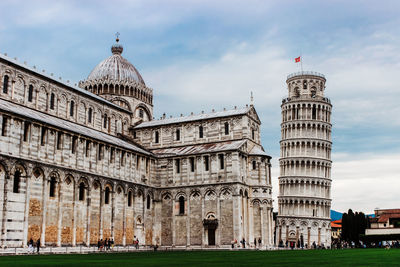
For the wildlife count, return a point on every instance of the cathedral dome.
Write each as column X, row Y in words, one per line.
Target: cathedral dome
column 116, row 68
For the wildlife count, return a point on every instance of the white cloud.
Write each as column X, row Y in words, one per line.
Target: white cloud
column 365, row 181
column 361, row 182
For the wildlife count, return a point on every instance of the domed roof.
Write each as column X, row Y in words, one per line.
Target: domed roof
column 116, row 68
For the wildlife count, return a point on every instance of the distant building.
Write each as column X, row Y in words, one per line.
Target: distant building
column 386, row 222
column 336, row 229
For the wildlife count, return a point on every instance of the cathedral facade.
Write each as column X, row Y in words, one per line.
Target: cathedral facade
column 89, row 162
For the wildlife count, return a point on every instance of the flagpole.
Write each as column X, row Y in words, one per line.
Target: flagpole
column 301, row 62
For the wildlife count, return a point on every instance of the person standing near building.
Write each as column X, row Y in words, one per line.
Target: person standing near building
column 38, row 245
column 30, row 246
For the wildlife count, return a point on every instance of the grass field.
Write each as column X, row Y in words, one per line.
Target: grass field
column 350, row 257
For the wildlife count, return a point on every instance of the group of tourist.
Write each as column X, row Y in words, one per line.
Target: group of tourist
column 235, row 244
column 337, row 244
column 32, row 245
column 105, row 245
column 108, row 244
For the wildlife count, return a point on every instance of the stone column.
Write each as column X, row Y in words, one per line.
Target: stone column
column 101, row 213
column 271, row 227
column 26, row 215
column 236, row 217
column 74, row 215
column 263, row 226
column 218, row 230
column 247, row 216
column 287, row 233
column 44, row 210
column 173, row 223
column 59, row 219
column 37, row 99
column 188, row 221
column 113, row 212
column 88, row 210
column 280, row 234
column 124, row 220
column 319, row 236
column 251, row 224
column 309, row 237
column 12, row 89
column 202, row 217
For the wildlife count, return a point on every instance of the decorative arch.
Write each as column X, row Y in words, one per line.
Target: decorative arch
column 145, row 108
column 121, row 102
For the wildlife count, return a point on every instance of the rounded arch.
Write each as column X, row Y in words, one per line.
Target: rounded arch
column 195, row 194
column 180, row 194
column 120, row 188
column 144, row 108
column 56, row 175
column 211, row 216
column 84, row 180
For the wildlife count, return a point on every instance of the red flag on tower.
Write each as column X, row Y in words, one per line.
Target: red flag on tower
column 297, row 59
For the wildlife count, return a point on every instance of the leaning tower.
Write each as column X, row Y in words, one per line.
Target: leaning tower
column 305, row 164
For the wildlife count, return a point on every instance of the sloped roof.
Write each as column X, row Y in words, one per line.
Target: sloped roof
column 199, row 149
column 258, row 151
column 70, row 86
column 385, row 217
column 197, row 117
column 67, row 125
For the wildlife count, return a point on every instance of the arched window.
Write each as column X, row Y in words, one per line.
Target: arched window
column 178, row 134
column 5, row 84
column 82, row 191
column 71, row 109
column 52, row 96
column 253, row 135
column 296, row 91
column 304, row 84
column 157, row 137
column 178, row 166
column 221, row 161
column 254, row 165
column 148, row 202
column 226, row 128
column 17, row 179
column 90, row 112
column 105, row 121
column 52, row 186
column 107, row 196
column 129, row 198
column 30, row 93
column 181, row 205
column 313, row 91
column 314, row 113
column 141, row 113
column 200, row 131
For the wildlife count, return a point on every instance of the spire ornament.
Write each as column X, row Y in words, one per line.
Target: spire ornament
column 117, row 48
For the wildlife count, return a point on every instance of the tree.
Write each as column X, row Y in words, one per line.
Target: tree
column 353, row 225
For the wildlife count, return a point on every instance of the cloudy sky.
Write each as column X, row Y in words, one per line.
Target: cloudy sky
column 200, row 55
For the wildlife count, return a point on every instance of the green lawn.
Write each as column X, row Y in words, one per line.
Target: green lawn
column 350, row 257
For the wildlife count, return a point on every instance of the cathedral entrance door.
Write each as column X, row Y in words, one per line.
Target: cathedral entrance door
column 210, row 224
column 211, row 237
